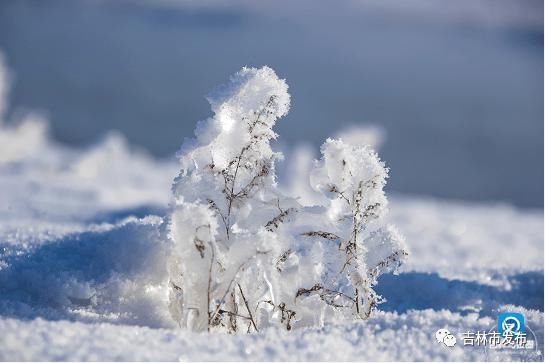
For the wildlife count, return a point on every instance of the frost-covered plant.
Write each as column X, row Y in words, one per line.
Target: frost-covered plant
column 247, row 257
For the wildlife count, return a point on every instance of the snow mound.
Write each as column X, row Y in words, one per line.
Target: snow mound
column 110, row 273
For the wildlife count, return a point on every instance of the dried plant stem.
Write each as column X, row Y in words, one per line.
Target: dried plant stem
column 209, row 292
column 234, row 314
column 231, row 190
column 222, row 300
column 247, row 308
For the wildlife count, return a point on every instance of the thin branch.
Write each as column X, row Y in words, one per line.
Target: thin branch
column 209, row 292
column 387, row 262
column 323, row 293
column 230, row 180
column 283, row 258
column 322, row 234
column 333, row 189
column 215, row 207
column 228, row 289
column 247, row 307
column 276, row 221
column 230, row 313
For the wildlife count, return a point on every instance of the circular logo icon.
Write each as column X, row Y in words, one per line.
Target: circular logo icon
column 511, row 325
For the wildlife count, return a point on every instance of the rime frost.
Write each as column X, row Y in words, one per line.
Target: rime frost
column 246, row 256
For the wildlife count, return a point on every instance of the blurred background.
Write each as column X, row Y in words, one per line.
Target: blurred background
column 455, row 87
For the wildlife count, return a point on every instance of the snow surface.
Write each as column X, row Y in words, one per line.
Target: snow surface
column 82, row 272
column 65, row 244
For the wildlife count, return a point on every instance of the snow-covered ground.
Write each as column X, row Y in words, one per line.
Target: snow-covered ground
column 83, row 273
